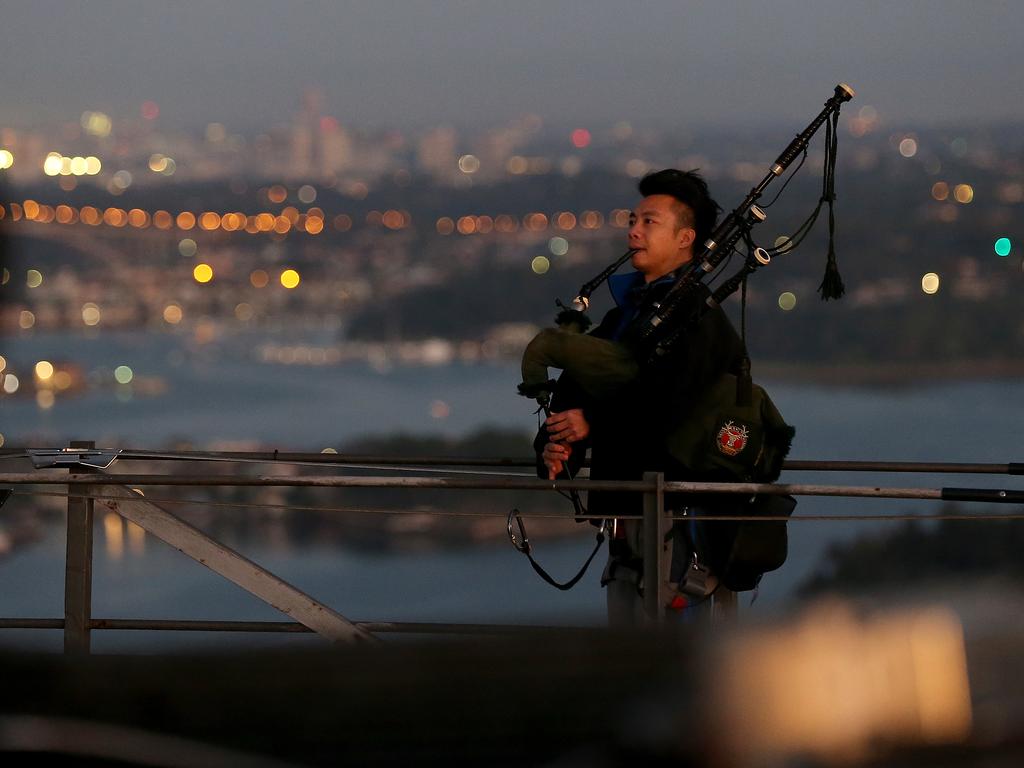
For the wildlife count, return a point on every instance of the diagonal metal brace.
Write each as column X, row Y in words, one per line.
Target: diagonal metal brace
column 234, row 567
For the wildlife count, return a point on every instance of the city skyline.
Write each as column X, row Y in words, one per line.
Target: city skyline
column 413, row 64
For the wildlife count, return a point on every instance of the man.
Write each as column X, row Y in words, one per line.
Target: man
column 627, row 433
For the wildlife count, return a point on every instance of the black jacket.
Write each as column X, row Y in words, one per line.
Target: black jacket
column 628, row 431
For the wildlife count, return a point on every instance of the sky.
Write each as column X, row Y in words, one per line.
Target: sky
column 245, row 63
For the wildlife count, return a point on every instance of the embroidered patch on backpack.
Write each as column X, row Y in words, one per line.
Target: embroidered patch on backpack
column 732, row 438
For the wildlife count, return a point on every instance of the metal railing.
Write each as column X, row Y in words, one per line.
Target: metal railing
column 119, row 493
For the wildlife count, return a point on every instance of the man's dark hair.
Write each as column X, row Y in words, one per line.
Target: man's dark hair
column 689, row 188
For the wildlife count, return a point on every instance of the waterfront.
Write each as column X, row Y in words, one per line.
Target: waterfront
column 225, row 396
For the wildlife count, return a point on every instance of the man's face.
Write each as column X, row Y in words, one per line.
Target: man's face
column 654, row 230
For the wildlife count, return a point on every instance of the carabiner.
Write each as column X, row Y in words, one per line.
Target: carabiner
column 523, row 546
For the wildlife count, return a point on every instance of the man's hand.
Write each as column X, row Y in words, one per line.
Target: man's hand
column 567, row 426
column 563, row 428
column 554, row 457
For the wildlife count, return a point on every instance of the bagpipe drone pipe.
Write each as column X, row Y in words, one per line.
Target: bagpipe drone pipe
column 735, row 426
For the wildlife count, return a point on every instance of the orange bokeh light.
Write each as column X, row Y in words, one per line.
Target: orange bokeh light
column 209, row 221
column 138, row 218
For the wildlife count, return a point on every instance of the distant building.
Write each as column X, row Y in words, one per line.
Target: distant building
column 435, row 153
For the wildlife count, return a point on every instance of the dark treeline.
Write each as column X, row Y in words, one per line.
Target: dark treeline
column 918, row 553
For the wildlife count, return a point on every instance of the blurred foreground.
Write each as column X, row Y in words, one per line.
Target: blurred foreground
column 920, row 683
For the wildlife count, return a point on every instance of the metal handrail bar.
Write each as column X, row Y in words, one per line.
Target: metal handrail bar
column 332, row 459
column 53, row 477
column 294, row 627
column 527, row 484
column 130, row 503
column 501, row 514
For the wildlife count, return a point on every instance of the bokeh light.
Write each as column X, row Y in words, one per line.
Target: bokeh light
column 44, row 370
column 1003, row 246
column 6, row 159
column 209, row 221
column 121, row 180
column 580, row 138
column 33, row 278
column 138, row 218
column 172, row 314
column 259, row 278
column 558, row 246
column 940, row 191
column 203, row 273
column 187, row 247
column 124, row 374
column 290, row 278
column 787, row 300
column 96, row 124
column 469, row 164
column 90, row 314
column 540, row 264
column 783, row 244
column 964, row 193
column 908, row 147
column 306, row 194
column 53, row 163
column 930, row 283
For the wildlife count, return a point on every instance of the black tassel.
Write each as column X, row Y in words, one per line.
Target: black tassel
column 832, row 284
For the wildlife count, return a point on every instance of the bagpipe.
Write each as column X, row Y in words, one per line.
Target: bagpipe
column 736, row 427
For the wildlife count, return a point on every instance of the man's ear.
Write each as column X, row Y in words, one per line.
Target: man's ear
column 686, row 236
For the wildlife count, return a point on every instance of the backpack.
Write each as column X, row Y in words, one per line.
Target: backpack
column 737, row 433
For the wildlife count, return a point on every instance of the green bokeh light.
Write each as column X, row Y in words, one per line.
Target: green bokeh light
column 1003, row 246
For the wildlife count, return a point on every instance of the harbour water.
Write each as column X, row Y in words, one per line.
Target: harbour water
column 224, row 395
